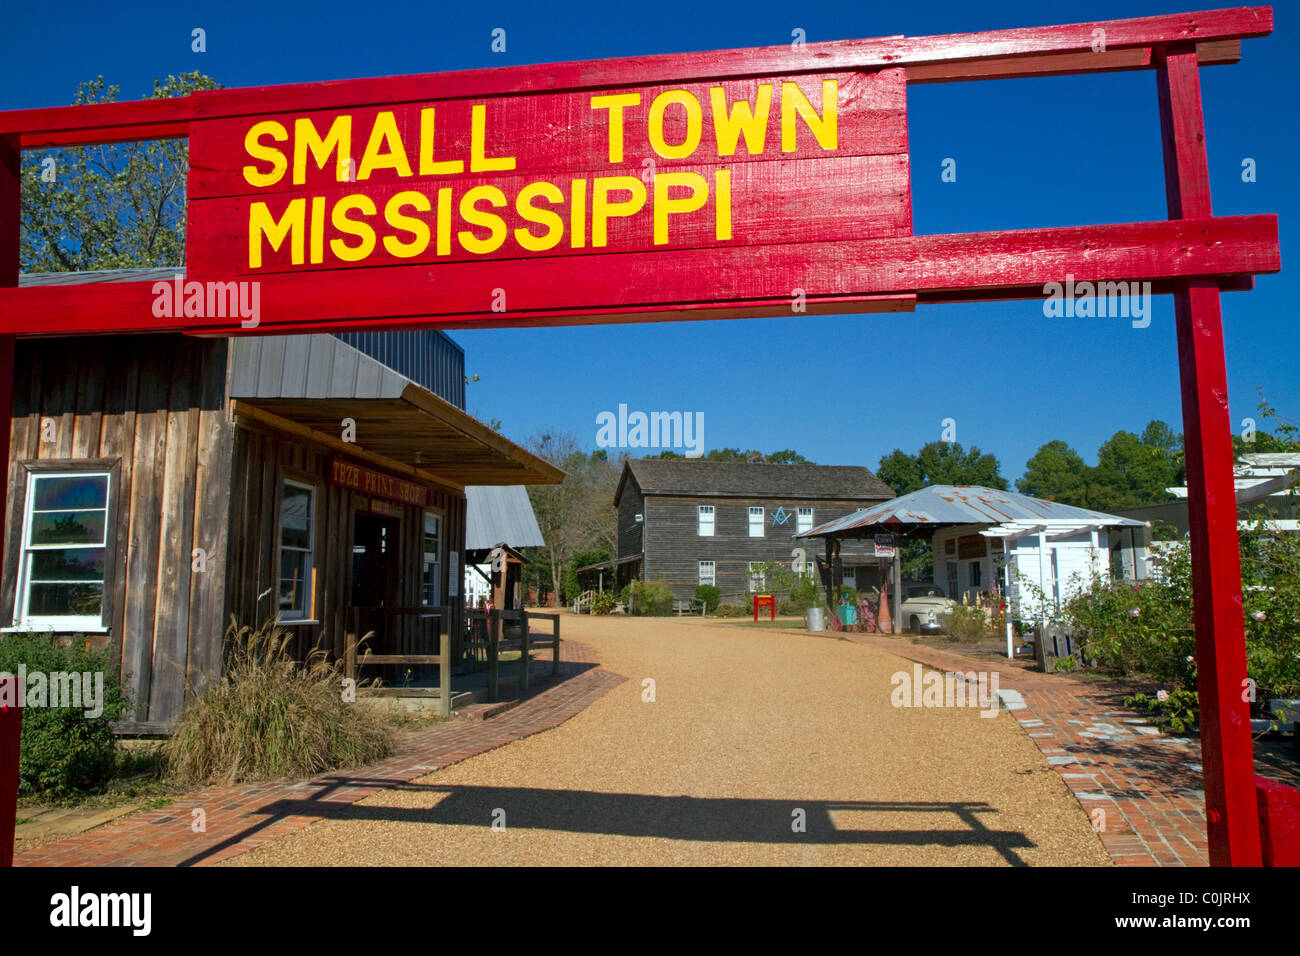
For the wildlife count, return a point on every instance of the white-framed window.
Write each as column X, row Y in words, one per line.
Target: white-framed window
column 65, row 538
column 803, row 521
column 850, row 576
column 704, row 521
column 297, row 550
column 707, row 572
column 756, row 515
column 757, row 576
column 431, row 564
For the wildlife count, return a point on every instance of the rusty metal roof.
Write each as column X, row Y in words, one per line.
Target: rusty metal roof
column 964, row 504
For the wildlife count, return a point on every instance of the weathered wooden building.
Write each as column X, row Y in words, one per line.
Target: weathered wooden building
column 707, row 522
column 161, row 484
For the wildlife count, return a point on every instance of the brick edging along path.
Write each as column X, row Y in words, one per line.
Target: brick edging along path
column 1147, row 786
column 239, row 818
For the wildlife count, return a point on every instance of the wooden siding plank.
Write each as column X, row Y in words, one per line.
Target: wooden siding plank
column 149, row 457
column 175, row 539
column 212, row 517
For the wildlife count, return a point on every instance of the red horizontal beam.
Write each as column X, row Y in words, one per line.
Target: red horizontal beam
column 961, row 56
column 838, row 276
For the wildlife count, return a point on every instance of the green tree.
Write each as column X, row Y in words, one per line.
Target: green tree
column 1056, row 473
column 787, row 456
column 110, row 206
column 939, row 463
column 1133, row 471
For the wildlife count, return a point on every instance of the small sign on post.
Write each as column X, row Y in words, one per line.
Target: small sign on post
column 886, row 545
column 767, row 601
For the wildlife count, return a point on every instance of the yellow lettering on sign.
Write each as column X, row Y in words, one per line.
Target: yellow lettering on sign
column 825, row 127
column 665, row 205
column 428, row 165
column 384, row 136
column 728, row 125
column 262, row 223
column 444, row 221
column 615, row 103
column 337, row 138
column 477, row 217
column 722, row 205
column 267, row 154
column 578, row 214
column 317, row 219
column 542, row 217
column 694, row 124
column 418, row 228
column 603, row 209
column 362, row 230
column 477, row 137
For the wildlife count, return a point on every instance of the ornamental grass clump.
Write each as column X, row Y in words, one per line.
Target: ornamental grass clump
column 272, row 717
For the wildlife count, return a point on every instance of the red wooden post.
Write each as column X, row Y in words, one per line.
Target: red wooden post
column 1279, row 818
column 10, row 718
column 1230, row 803
column 11, row 728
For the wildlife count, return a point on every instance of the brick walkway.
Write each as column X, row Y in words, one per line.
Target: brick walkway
column 242, row 817
column 1142, row 789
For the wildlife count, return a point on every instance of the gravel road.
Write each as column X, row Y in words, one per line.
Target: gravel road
column 759, row 747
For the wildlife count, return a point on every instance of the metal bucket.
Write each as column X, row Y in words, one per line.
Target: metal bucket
column 814, row 618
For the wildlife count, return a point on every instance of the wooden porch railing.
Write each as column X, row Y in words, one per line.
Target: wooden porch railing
column 409, row 636
column 508, row 630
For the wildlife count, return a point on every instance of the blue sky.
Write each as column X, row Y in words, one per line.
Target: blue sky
column 1055, row 151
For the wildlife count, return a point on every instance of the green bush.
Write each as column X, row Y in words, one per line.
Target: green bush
column 710, row 595
column 1176, row 712
column 968, row 625
column 63, row 753
column 604, row 603
column 733, row 610
column 272, row 717
column 652, row 598
column 1146, row 629
column 807, row 592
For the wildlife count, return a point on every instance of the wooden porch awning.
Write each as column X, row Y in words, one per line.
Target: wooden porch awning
column 317, row 381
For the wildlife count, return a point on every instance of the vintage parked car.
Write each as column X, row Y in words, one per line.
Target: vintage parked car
column 926, row 609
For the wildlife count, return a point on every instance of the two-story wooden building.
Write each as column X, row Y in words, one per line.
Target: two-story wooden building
column 161, row 484
column 693, row 522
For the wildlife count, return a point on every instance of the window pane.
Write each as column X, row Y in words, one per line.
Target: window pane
column 293, row 583
column 295, row 517
column 70, row 493
column 68, row 564
column 65, row 600
column 68, row 527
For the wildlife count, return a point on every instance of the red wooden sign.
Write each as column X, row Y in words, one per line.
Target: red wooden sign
column 727, row 184
column 723, row 184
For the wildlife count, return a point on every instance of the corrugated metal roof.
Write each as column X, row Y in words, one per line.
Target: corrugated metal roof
column 965, row 504
column 308, row 366
column 496, row 513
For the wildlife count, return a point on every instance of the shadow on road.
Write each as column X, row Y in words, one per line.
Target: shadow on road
column 722, row 820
